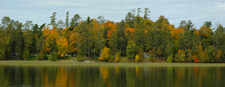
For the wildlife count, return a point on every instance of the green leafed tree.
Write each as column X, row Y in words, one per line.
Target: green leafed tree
column 131, row 50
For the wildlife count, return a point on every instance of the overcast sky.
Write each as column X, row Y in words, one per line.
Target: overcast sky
column 39, row 11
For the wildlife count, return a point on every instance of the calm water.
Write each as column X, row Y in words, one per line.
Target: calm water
column 102, row 76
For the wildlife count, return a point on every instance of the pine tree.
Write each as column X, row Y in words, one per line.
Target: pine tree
column 19, row 41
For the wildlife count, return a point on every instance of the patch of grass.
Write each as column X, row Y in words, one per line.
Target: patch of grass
column 80, row 58
column 74, row 63
column 146, row 59
column 54, row 56
column 65, row 58
column 95, row 59
column 49, row 56
column 124, row 59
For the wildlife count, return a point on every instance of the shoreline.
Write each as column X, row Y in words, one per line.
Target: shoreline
column 121, row 64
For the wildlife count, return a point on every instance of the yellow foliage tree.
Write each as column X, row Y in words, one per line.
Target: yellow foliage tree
column 206, row 32
column 46, row 31
column 137, row 59
column 73, row 40
column 62, row 45
column 117, row 58
column 105, row 54
column 180, row 56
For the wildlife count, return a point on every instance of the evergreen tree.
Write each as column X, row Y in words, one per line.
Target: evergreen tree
column 75, row 21
column 19, row 41
column 122, row 43
column 113, row 42
column 53, row 19
column 67, row 19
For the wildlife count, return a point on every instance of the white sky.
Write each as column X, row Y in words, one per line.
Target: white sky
column 39, row 11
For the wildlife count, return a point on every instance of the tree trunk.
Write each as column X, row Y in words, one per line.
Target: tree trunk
column 120, row 45
column 88, row 52
column 94, row 55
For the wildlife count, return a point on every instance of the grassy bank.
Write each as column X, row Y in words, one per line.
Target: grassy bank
column 74, row 63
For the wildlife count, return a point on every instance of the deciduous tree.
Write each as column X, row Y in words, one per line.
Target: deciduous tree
column 105, row 54
column 131, row 49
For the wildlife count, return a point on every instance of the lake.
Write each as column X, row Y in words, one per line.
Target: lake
column 111, row 76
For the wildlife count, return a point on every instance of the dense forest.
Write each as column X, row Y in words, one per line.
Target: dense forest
column 104, row 40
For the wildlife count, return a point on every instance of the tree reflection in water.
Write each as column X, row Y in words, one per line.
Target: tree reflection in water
column 105, row 76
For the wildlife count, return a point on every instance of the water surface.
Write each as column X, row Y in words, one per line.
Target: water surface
column 111, row 76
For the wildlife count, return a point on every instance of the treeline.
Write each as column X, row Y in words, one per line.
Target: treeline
column 100, row 39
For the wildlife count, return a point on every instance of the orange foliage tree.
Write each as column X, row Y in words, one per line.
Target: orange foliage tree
column 110, row 27
column 176, row 32
column 129, row 32
column 196, row 60
column 218, row 55
column 72, row 42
